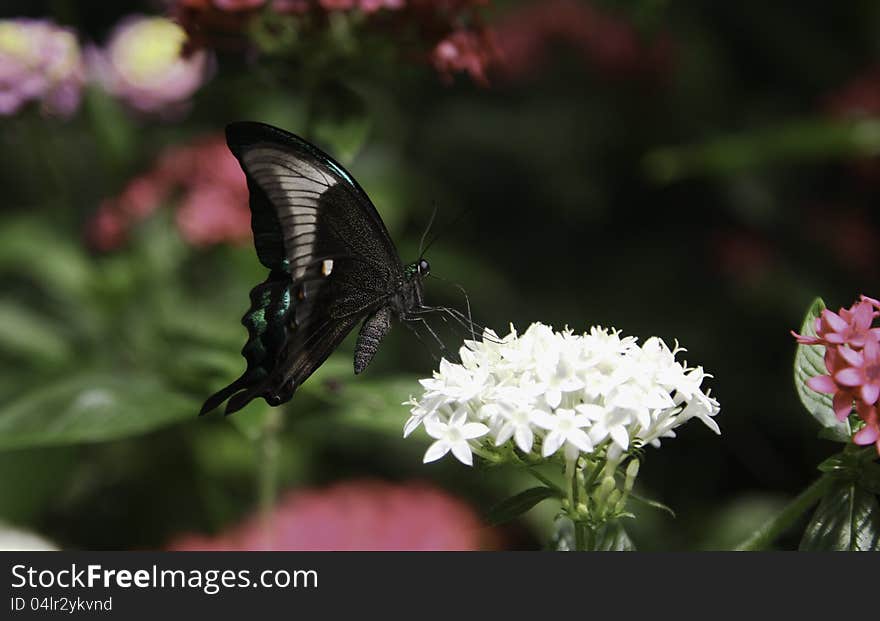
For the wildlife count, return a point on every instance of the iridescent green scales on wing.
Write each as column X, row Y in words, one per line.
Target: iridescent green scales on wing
column 267, row 324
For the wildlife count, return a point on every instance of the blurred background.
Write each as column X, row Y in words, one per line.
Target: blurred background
column 673, row 169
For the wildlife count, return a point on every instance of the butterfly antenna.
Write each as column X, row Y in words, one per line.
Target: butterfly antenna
column 427, row 230
column 457, row 219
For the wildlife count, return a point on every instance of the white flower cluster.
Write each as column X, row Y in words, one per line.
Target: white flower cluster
column 546, row 391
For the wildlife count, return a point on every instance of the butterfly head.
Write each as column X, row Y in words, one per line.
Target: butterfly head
column 419, row 269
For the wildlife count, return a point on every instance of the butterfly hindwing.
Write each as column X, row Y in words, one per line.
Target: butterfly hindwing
column 332, row 262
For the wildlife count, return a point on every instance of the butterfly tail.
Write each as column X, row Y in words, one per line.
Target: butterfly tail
column 222, row 395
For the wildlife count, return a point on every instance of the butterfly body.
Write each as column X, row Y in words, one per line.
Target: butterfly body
column 332, row 265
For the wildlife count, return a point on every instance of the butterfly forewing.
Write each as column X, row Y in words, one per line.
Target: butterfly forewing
column 332, row 261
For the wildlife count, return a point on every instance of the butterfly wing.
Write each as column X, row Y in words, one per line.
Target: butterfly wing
column 330, row 257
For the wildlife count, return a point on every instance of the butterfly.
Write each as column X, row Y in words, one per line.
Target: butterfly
column 331, row 261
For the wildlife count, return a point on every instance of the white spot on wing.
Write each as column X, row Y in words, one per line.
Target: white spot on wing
column 327, row 267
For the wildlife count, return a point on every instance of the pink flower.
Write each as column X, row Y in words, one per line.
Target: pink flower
column 213, row 197
column 465, row 51
column 604, row 40
column 852, row 360
column 211, row 215
column 294, row 7
column 870, row 433
column 108, row 229
column 238, row 5
column 39, row 61
column 863, row 370
column 337, row 5
column 355, row 515
column 371, row 6
column 144, row 65
column 849, row 325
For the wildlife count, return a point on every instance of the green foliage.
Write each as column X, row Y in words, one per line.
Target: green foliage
column 847, row 519
column 91, row 406
column 518, row 504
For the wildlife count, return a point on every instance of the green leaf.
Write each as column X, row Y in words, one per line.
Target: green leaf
column 91, row 407
column 797, row 140
column 656, row 504
column 870, row 477
column 29, row 248
column 809, row 361
column 515, row 506
column 612, row 537
column 28, row 334
column 847, row 519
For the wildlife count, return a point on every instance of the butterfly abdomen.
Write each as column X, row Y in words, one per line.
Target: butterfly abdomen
column 375, row 327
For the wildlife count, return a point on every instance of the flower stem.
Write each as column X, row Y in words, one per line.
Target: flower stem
column 580, row 538
column 270, row 451
column 770, row 530
column 589, row 537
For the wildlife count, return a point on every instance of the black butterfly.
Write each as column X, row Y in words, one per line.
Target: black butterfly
column 331, row 261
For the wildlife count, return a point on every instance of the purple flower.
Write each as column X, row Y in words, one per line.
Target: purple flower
column 144, row 65
column 39, row 61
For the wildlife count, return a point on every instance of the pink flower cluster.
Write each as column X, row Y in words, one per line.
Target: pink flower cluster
column 39, row 61
column 451, row 31
column 211, row 193
column 355, row 515
column 852, row 359
column 604, row 40
column 465, row 51
column 144, row 65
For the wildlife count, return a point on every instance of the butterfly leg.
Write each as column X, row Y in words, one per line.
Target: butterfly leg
column 419, row 338
column 428, row 328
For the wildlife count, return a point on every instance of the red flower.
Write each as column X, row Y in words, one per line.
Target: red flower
column 355, row 515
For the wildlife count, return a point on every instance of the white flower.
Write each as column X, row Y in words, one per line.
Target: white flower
column 453, row 436
column 581, row 392
column 517, row 423
column 566, row 428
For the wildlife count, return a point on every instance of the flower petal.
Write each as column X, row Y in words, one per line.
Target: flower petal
column 552, row 443
column 842, row 404
column 462, row 452
column 580, row 439
column 436, row 451
column 834, row 321
column 849, row 377
column 620, row 436
column 543, row 419
column 591, row 411
column 822, row 383
column 435, row 428
column 870, row 393
column 852, row 357
column 524, row 439
column 867, row 435
column 473, row 430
